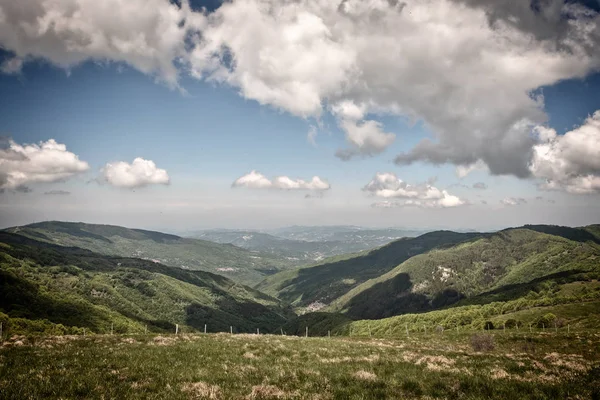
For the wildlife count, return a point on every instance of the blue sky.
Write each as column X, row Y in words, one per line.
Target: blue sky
column 206, row 132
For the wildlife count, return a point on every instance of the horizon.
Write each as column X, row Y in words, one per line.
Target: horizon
column 273, row 231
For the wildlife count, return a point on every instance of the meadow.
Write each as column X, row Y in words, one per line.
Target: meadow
column 507, row 364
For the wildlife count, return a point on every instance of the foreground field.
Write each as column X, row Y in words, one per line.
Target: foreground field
column 221, row 366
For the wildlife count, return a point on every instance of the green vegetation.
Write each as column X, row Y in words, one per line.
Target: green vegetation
column 223, row 366
column 241, row 265
column 51, row 289
column 500, row 267
column 330, row 280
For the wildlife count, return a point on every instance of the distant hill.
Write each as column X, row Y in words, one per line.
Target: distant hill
column 303, row 251
column 331, row 279
column 442, row 277
column 344, row 233
column 58, row 289
column 239, row 264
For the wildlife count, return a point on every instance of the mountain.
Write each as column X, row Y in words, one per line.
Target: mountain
column 366, row 237
column 57, row 289
column 493, row 263
column 299, row 251
column 239, row 264
column 325, row 282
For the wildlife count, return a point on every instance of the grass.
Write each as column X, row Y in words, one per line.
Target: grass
column 223, row 366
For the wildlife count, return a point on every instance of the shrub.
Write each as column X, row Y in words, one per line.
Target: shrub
column 547, row 321
column 482, row 342
column 512, row 323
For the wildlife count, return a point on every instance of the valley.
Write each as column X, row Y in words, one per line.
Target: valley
column 405, row 317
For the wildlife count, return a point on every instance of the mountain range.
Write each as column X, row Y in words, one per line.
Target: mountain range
column 63, row 277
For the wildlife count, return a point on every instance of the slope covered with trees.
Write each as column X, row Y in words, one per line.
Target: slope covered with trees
column 498, row 264
column 57, row 289
column 333, row 278
column 241, row 265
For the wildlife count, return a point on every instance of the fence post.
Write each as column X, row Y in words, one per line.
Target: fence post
column 369, row 326
column 231, row 329
column 258, row 331
column 176, row 329
column 204, row 328
column 145, row 329
column 111, row 328
column 328, row 333
column 406, row 326
column 529, row 328
column 281, row 331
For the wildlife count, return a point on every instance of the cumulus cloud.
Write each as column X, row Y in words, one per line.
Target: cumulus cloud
column 149, row 35
column 513, row 201
column 467, row 75
column 11, row 66
column 388, row 185
column 139, row 173
column 366, row 138
column 44, row 162
column 480, row 185
column 467, row 68
column 569, row 162
column 256, row 180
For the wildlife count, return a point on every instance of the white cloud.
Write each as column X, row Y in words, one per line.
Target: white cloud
column 11, row 66
column 388, row 185
column 256, row 180
column 146, row 34
column 439, row 60
column 569, row 162
column 513, row 201
column 365, row 138
column 139, row 173
column 464, row 170
column 467, row 68
column 48, row 161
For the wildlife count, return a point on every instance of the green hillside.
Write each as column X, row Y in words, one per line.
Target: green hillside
column 50, row 288
column 329, row 280
column 241, row 265
column 485, row 269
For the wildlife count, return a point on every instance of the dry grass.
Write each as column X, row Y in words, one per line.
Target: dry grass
column 365, row 375
column 202, row 390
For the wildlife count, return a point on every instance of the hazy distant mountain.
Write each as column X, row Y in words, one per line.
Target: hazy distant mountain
column 306, row 244
column 345, row 233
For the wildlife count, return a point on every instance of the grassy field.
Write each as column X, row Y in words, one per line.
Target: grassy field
column 542, row 365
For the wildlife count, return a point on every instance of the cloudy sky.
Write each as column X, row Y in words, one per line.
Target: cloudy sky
column 263, row 113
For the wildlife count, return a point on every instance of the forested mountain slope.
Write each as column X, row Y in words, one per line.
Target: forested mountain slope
column 236, row 263
column 487, row 266
column 48, row 287
column 327, row 281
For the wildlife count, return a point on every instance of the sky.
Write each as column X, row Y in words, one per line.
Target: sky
column 170, row 115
